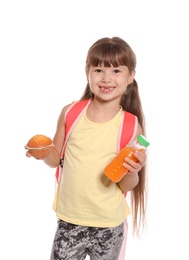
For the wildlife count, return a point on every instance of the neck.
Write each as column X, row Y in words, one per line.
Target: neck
column 102, row 111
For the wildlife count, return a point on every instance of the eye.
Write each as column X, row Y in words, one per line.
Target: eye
column 98, row 70
column 116, row 71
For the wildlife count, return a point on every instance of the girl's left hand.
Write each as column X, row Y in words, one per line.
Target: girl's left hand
column 135, row 167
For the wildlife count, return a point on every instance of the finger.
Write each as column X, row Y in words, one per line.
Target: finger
column 141, row 157
column 133, row 166
column 28, row 154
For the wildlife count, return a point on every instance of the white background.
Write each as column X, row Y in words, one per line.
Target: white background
column 43, row 46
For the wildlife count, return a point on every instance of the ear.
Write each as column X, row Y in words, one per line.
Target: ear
column 131, row 77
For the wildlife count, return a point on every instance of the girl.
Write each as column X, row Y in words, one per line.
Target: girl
column 91, row 209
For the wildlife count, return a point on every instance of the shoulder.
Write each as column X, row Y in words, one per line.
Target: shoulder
column 134, row 121
column 65, row 110
column 60, row 129
column 75, row 108
column 72, row 109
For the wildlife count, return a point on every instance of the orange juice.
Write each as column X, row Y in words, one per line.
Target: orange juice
column 115, row 169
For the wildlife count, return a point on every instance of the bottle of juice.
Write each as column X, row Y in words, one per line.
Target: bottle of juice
column 115, row 170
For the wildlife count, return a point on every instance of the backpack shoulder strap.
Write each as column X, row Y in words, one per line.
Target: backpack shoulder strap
column 73, row 113
column 127, row 130
column 72, row 116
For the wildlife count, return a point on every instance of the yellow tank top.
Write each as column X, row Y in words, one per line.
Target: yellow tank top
column 85, row 195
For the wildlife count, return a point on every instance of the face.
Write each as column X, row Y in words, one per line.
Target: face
column 109, row 83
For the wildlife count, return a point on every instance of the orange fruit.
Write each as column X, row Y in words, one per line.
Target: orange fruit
column 39, row 146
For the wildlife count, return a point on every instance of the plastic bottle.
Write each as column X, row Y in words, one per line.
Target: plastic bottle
column 115, row 170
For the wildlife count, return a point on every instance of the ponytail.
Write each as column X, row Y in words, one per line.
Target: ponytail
column 131, row 102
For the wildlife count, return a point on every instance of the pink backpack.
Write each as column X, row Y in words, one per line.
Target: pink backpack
column 73, row 115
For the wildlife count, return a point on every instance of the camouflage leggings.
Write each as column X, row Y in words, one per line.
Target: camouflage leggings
column 73, row 242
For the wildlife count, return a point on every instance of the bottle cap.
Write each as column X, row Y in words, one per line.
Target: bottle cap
column 143, row 140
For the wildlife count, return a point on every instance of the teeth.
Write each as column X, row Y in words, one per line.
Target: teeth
column 106, row 88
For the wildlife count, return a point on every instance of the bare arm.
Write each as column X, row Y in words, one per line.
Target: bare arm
column 53, row 159
column 131, row 179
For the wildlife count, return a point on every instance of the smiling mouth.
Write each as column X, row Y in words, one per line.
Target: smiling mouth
column 107, row 89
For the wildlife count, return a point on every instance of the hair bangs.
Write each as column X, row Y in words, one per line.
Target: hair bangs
column 107, row 55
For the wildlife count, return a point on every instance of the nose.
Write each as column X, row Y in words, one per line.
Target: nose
column 106, row 77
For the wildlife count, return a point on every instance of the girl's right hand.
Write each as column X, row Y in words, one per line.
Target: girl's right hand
column 29, row 155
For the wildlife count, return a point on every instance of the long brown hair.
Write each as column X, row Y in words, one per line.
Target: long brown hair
column 115, row 51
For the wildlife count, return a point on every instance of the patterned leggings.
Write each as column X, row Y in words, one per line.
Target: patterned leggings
column 73, row 242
